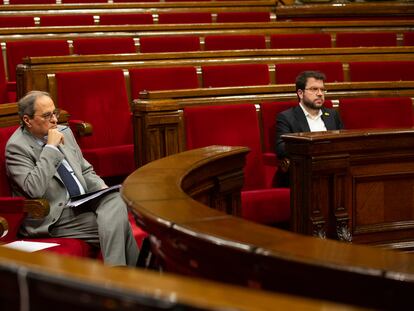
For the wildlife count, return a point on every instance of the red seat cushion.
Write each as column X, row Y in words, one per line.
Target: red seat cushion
column 169, row 44
column 67, row 20
column 184, row 18
column 243, row 17
column 286, row 73
column 126, row 19
column 17, row 21
column 392, row 112
column 408, row 38
column 235, row 75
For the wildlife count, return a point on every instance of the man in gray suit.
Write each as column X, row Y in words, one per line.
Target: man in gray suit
column 309, row 116
column 39, row 157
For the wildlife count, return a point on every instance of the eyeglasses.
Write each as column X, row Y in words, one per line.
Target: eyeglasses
column 48, row 115
column 315, row 90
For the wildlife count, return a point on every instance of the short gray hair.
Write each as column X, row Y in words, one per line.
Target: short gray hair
column 26, row 104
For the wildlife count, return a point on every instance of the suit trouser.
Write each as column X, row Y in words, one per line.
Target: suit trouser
column 104, row 223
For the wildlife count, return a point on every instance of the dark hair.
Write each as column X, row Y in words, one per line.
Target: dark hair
column 26, row 104
column 302, row 78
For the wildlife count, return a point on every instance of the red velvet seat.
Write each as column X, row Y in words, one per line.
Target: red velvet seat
column 113, row 45
column 235, row 75
column 11, row 209
column 234, row 42
column 32, row 1
column 100, row 98
column 408, row 38
column 17, row 50
column 169, row 44
column 392, row 112
column 4, row 95
column 184, row 18
column 17, row 21
column 356, row 39
column 126, row 19
column 243, row 17
column 300, row 40
column 84, row 1
column 67, row 20
column 162, row 78
column 286, row 73
column 237, row 125
column 381, row 71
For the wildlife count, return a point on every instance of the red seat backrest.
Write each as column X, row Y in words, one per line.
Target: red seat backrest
column 162, row 78
column 125, row 19
column 113, row 45
column 100, row 98
column 392, row 112
column 243, row 17
column 235, row 75
column 300, row 40
column 169, row 44
column 67, row 20
column 3, row 83
column 17, row 50
column 17, row 21
column 32, row 1
column 355, row 39
column 286, row 73
column 184, row 18
column 231, row 125
column 408, row 38
column 5, row 133
column 234, row 42
column 381, row 71
column 84, row 1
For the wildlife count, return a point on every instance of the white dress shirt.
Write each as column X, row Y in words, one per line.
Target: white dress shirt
column 315, row 123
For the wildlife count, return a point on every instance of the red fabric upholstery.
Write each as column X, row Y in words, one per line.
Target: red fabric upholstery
column 5, row 133
column 381, row 71
column 237, row 125
column 184, row 18
column 83, row 46
column 355, row 39
column 17, row 21
column 392, row 112
column 84, row 1
column 17, row 50
column 67, row 20
column 235, row 42
column 243, row 17
column 126, row 19
column 32, row 1
column 235, row 75
column 408, row 38
column 100, row 98
column 169, row 44
column 162, row 78
column 300, row 40
column 287, row 73
column 11, row 209
column 120, row 1
column 3, row 83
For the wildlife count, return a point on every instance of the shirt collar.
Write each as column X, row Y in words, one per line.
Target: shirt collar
column 308, row 115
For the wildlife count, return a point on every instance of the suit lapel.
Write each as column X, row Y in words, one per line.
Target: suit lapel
column 301, row 119
column 328, row 120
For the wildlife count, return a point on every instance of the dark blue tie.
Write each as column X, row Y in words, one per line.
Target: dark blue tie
column 68, row 180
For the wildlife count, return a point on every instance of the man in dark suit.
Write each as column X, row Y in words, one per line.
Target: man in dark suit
column 39, row 157
column 309, row 116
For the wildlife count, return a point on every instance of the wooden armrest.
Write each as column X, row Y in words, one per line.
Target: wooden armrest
column 284, row 165
column 4, row 227
column 37, row 208
column 81, row 128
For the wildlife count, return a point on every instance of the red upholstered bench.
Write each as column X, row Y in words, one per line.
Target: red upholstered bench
column 238, row 125
column 126, row 19
column 67, row 20
column 17, row 21
column 185, row 18
column 243, row 17
column 356, row 39
column 391, row 112
column 381, row 71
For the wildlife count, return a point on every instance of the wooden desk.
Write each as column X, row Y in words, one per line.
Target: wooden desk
column 354, row 185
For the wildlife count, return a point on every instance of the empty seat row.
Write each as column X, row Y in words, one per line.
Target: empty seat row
column 134, row 19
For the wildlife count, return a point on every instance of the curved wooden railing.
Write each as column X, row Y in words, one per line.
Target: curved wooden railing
column 190, row 238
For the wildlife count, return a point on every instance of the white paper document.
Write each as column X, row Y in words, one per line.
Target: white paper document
column 83, row 198
column 28, row 246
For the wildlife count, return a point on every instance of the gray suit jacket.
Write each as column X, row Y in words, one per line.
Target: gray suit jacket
column 32, row 170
